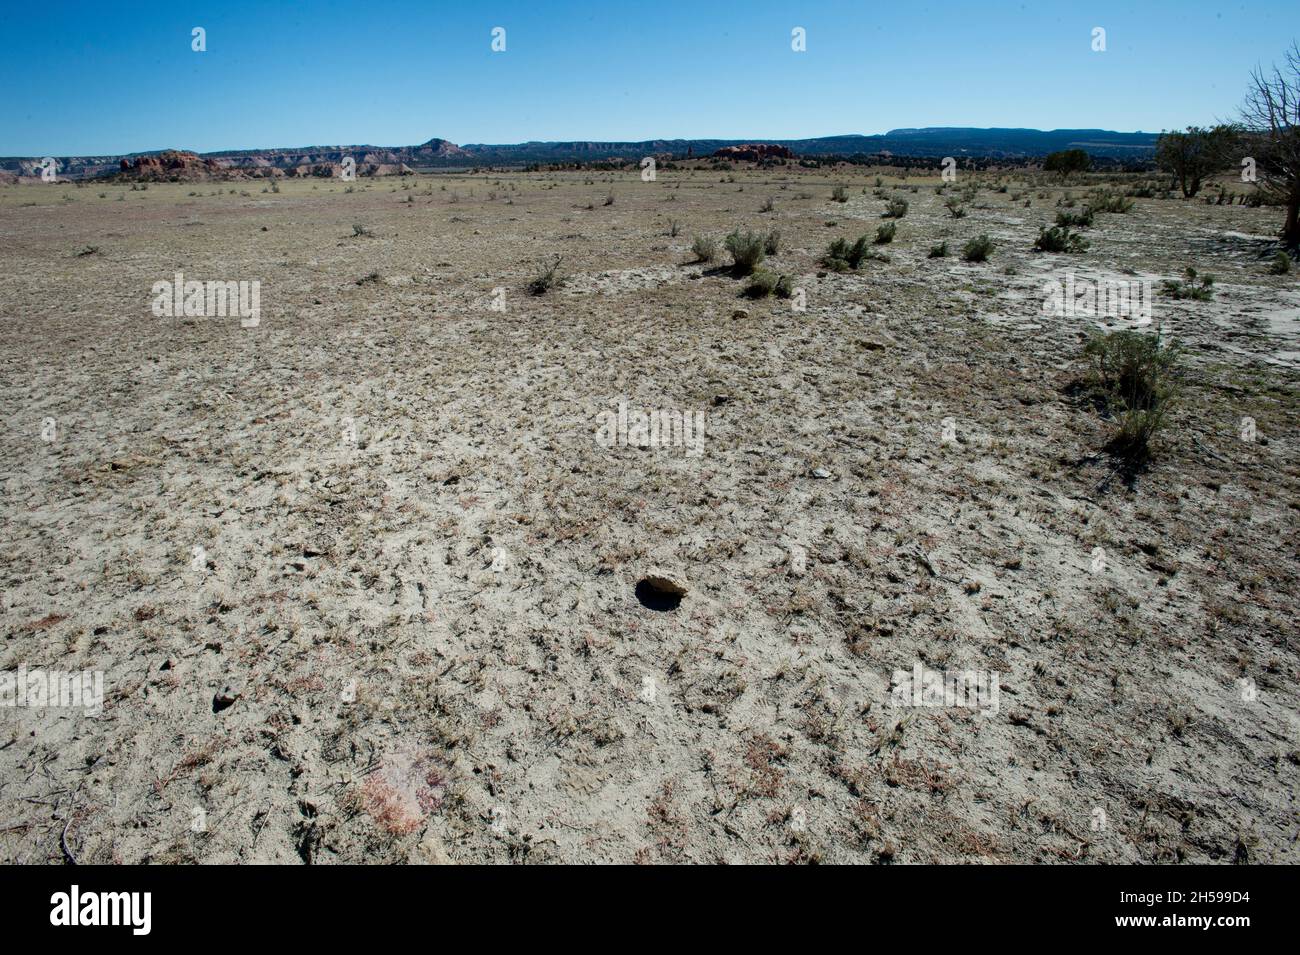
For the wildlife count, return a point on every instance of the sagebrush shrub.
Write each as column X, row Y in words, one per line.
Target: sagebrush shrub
column 1077, row 220
column 545, row 279
column 977, row 249
column 705, row 248
column 1193, row 286
column 1060, row 239
column 764, row 283
column 1103, row 201
column 746, row 250
column 1133, row 374
column 842, row 256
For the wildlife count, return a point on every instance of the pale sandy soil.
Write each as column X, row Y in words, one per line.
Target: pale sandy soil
column 430, row 634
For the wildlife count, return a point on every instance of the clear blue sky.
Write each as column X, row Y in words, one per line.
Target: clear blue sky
column 103, row 77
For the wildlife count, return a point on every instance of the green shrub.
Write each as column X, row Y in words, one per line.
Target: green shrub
column 885, row 233
column 839, row 194
column 977, row 249
column 1103, row 201
column 772, row 242
column 761, row 284
column 746, row 251
column 939, row 251
column 841, row 256
column 896, row 209
column 545, row 279
column 1200, row 288
column 1281, row 264
column 1060, row 239
column 1133, row 375
column 1077, row 220
column 705, row 248
column 954, row 207
column 764, row 283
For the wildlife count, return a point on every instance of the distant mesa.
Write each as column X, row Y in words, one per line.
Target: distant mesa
column 913, row 146
column 172, row 164
column 439, row 148
column 755, row 152
column 180, row 165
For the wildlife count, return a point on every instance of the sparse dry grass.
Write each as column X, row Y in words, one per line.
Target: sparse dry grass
column 354, row 586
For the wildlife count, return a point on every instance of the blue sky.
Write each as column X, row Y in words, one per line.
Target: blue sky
column 86, row 78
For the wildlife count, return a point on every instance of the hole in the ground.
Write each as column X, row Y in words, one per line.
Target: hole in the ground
column 658, row 593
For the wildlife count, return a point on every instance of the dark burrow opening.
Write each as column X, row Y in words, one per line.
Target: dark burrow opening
column 656, row 593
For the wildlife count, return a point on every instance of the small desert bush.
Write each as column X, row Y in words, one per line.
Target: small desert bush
column 1281, row 264
column 764, row 283
column 839, row 194
column 885, row 233
column 545, row 279
column 896, row 209
column 769, row 205
column 1103, row 201
column 1075, row 220
column 843, row 256
column 746, row 250
column 674, row 227
column 772, row 242
column 954, row 207
column 705, row 248
column 939, row 251
column 1197, row 287
column 359, row 230
column 1060, row 239
column 977, row 249
column 1133, row 375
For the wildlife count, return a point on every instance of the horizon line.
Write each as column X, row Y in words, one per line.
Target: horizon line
column 525, row 142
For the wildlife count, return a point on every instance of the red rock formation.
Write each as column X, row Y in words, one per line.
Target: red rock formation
column 754, row 152
column 173, row 164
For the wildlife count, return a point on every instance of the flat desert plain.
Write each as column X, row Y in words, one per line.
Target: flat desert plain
column 361, row 581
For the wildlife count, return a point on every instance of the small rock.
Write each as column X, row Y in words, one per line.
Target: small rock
column 226, row 697
column 821, row 473
column 740, row 313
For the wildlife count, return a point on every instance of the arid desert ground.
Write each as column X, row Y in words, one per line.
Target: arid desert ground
column 361, row 580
